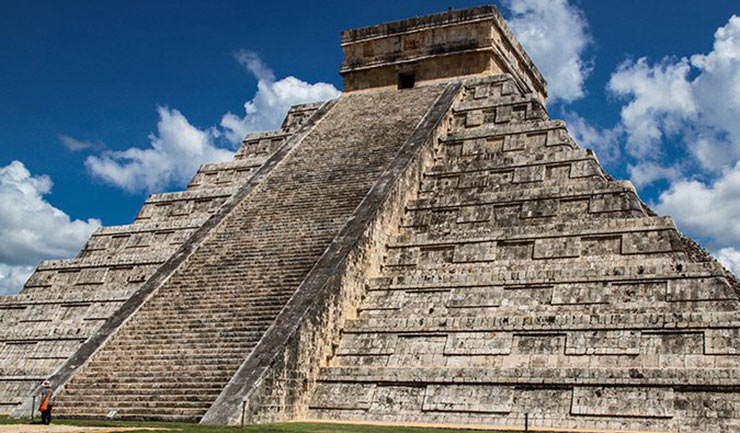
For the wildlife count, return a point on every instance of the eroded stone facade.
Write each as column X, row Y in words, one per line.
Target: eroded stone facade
column 445, row 253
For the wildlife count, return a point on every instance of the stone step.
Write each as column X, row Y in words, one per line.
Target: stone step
column 504, row 273
column 578, row 228
column 720, row 377
column 580, row 162
column 555, row 128
column 554, row 321
column 551, row 192
column 145, row 379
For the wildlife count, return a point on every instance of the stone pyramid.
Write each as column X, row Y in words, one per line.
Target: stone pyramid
column 429, row 248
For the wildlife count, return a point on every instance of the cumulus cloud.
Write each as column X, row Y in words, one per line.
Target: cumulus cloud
column 695, row 99
column 272, row 100
column 686, row 110
column 730, row 259
column 74, row 145
column 645, row 173
column 555, row 34
column 175, row 153
column 661, row 102
column 31, row 228
column 178, row 148
column 709, row 210
column 603, row 141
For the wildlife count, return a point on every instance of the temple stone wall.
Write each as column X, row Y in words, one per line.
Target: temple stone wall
column 524, row 280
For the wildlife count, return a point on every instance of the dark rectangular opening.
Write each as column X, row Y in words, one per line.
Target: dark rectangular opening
column 406, row 80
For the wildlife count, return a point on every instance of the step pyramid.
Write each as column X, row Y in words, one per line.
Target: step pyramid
column 430, row 247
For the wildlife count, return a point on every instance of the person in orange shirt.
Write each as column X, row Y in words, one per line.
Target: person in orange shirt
column 46, row 402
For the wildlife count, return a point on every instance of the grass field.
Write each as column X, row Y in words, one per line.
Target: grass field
column 268, row 428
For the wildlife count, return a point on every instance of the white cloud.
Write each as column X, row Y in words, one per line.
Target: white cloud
column 696, row 99
column 31, row 228
column 647, row 172
column 12, row 278
column 661, row 102
column 75, row 145
column 730, row 259
column 272, row 100
column 178, row 148
column 686, row 110
column 604, row 142
column 555, row 34
column 176, row 152
column 710, row 211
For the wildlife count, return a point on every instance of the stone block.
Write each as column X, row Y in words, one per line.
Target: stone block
column 699, row 289
column 478, row 343
column 475, row 297
column 398, row 399
column 672, row 343
column 536, row 140
column 402, row 256
column 334, row 396
column 625, row 402
column 608, row 342
column 468, row 398
column 473, row 118
column 584, row 168
column 476, row 179
column 514, row 142
column 368, row 344
column 539, row 344
column 647, row 242
column 601, row 245
column 473, row 214
column 552, row 248
column 512, row 250
column 532, row 173
column 475, row 252
column 540, row 208
column 419, row 351
column 614, row 202
column 436, row 255
column 557, row 173
column 722, row 341
column 581, row 293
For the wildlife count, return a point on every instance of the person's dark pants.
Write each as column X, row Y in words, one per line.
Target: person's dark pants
column 46, row 416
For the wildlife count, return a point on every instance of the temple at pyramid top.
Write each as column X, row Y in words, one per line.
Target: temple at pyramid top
column 469, row 42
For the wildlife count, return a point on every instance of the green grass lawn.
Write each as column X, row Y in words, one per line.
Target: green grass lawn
column 268, row 428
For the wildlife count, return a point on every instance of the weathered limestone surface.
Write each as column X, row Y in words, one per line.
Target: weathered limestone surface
column 469, row 42
column 523, row 280
column 444, row 254
column 176, row 353
column 65, row 302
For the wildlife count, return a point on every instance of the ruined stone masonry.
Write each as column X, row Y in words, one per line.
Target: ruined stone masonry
column 430, row 247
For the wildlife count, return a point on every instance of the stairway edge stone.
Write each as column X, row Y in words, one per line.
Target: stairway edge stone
column 229, row 408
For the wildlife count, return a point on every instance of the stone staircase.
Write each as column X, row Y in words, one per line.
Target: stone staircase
column 65, row 302
column 524, row 280
column 173, row 357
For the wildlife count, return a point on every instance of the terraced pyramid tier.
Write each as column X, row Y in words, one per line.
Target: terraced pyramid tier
column 65, row 302
column 175, row 354
column 523, row 280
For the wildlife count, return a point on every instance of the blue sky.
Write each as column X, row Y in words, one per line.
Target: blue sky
column 95, row 95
